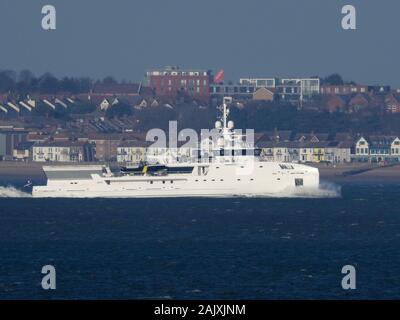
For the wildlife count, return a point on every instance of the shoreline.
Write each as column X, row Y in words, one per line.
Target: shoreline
column 338, row 173
column 359, row 172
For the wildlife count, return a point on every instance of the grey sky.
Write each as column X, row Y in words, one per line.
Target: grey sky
column 123, row 38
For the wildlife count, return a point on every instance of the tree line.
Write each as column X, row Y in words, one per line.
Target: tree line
column 26, row 82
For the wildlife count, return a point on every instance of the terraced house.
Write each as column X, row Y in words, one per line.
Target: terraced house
column 131, row 152
column 62, row 151
column 377, row 149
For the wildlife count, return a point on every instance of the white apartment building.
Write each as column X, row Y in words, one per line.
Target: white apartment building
column 62, row 151
column 131, row 152
column 258, row 82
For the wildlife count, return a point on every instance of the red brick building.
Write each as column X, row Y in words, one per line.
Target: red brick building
column 358, row 102
column 171, row 82
column 392, row 103
column 334, row 103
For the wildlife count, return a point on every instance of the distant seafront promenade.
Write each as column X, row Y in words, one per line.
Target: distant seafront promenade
column 353, row 172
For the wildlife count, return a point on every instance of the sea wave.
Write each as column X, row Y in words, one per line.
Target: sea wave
column 325, row 190
column 12, row 192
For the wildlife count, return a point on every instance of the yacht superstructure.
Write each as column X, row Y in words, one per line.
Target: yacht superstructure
column 234, row 169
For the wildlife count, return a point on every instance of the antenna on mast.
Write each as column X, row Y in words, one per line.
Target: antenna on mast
column 226, row 102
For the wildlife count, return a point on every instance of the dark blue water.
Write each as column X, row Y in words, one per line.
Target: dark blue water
column 203, row 248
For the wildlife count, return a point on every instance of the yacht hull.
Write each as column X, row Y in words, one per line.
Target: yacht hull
column 262, row 179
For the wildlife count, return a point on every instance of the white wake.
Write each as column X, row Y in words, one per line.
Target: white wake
column 325, row 190
column 12, row 192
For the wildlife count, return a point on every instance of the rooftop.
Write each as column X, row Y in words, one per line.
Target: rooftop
column 61, row 144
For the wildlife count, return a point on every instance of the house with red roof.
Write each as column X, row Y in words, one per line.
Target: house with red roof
column 358, row 102
column 392, row 103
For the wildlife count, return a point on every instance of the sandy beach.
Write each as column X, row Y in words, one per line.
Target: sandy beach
column 338, row 173
column 359, row 172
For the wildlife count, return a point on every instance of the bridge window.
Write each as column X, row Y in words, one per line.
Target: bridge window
column 298, row 182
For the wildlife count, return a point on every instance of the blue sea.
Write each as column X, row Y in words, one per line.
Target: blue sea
column 228, row 248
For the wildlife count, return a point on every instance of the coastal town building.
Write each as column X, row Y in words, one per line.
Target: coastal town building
column 131, row 153
column 9, row 140
column 338, row 152
column 361, row 150
column 306, row 147
column 291, row 90
column 181, row 153
column 343, row 89
column 105, row 146
column 392, row 102
column 171, row 81
column 379, row 89
column 264, row 94
column 131, row 148
column 377, row 149
column 334, row 103
column 23, row 151
column 298, row 89
column 105, row 96
column 359, row 101
column 259, row 82
column 236, row 91
column 62, row 151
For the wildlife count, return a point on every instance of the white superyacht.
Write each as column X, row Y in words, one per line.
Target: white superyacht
column 234, row 170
